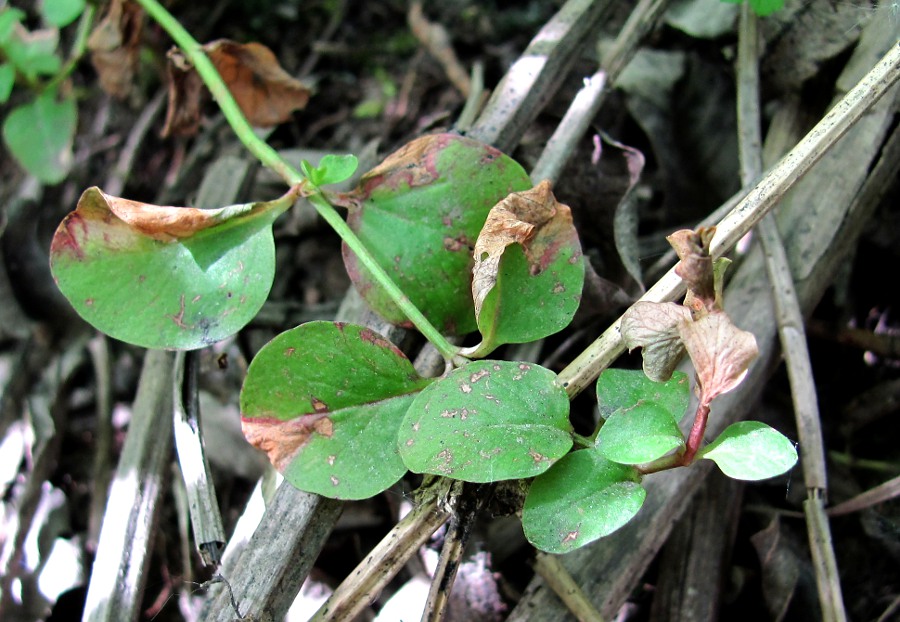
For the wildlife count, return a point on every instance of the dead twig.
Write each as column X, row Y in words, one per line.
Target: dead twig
column 790, row 329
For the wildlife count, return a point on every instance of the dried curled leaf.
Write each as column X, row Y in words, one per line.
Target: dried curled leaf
column 528, row 272
column 266, row 93
column 163, row 223
column 185, row 96
column 114, row 46
column 532, row 219
column 696, row 267
column 720, row 351
column 655, row 328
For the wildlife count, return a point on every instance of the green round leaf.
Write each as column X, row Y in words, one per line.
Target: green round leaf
column 61, row 12
column 623, row 388
column 159, row 290
column 325, row 401
column 419, row 213
column 639, row 434
column 751, row 450
column 40, row 134
column 488, row 421
column 528, row 272
column 583, row 497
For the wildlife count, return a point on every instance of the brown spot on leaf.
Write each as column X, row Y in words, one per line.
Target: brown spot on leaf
column 331, row 460
column 282, row 440
column 537, row 457
column 89, row 302
column 465, row 388
column 478, row 375
column 318, row 405
column 289, row 351
column 413, row 164
column 570, row 537
column 335, row 481
column 178, row 318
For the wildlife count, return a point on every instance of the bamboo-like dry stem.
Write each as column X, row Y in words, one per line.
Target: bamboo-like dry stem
column 790, row 329
column 563, row 585
column 206, row 520
column 382, row 563
column 748, row 212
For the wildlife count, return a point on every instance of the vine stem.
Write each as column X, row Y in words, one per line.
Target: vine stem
column 270, row 158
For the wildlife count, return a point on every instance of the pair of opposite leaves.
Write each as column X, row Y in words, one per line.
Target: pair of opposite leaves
column 183, row 278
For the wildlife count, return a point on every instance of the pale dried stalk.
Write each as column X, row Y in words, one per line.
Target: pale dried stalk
column 790, row 330
column 118, row 576
column 534, row 77
column 563, row 585
column 206, row 520
column 748, row 212
column 382, row 563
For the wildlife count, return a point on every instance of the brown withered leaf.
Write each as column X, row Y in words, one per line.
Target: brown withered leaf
column 533, row 219
column 162, row 223
column 695, row 267
column 266, row 93
column 114, row 45
column 720, row 351
column 654, row 327
column 282, row 440
column 186, row 93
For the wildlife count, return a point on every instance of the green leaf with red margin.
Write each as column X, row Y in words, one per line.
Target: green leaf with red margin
column 528, row 272
column 165, row 277
column 488, row 421
column 419, row 213
column 325, row 401
column 583, row 497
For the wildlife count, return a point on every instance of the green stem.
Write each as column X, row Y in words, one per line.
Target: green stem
column 78, row 47
column 270, row 158
column 411, row 311
column 207, row 71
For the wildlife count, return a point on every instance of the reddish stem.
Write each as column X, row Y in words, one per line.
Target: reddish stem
column 698, row 429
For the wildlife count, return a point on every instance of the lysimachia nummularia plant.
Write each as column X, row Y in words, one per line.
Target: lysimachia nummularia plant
column 448, row 235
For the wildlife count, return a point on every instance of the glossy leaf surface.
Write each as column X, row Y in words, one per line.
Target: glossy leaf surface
column 751, row 450
column 165, row 277
column 639, row 434
column 583, row 497
column 624, row 388
column 488, row 421
column 325, row 401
